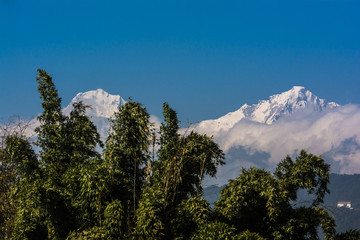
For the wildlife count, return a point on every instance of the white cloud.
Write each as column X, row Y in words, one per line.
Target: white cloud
column 156, row 121
column 317, row 132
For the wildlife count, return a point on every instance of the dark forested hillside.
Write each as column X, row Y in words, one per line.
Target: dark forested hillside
column 342, row 188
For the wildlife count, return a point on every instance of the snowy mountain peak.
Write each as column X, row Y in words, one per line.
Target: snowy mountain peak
column 294, row 95
column 102, row 103
column 290, row 101
column 269, row 111
column 297, row 88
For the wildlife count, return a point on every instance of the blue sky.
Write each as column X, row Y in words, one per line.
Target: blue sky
column 206, row 58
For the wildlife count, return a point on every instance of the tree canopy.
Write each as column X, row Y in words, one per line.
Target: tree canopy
column 69, row 189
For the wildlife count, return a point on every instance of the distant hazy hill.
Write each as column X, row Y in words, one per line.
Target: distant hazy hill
column 342, row 188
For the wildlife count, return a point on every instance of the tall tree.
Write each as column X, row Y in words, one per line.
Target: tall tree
column 7, row 211
column 71, row 193
column 81, row 141
column 202, row 156
column 169, row 141
column 182, row 163
column 27, row 191
column 51, row 137
column 14, row 130
column 127, row 149
column 260, row 202
column 67, row 145
column 82, row 135
column 167, row 168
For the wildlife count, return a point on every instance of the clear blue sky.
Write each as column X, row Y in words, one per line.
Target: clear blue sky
column 205, row 58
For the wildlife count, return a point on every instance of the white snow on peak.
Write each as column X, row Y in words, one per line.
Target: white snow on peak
column 102, row 103
column 268, row 111
column 286, row 103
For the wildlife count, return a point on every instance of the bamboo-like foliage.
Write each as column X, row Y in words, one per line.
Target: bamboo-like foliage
column 183, row 161
column 68, row 191
column 260, row 202
column 47, row 198
column 127, row 150
column 13, row 167
column 82, row 135
column 50, row 132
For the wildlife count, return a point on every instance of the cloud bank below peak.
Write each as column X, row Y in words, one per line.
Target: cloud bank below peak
column 316, row 132
column 263, row 134
column 321, row 128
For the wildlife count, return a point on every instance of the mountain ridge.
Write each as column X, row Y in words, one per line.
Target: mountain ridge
column 262, row 134
column 268, row 111
column 102, row 103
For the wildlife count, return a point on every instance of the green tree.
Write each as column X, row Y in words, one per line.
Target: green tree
column 190, row 215
column 17, row 161
column 307, row 172
column 201, row 157
column 81, row 141
column 27, row 189
column 48, row 204
column 7, row 211
column 168, row 142
column 22, row 157
column 101, row 213
column 127, row 151
column 43, row 207
column 215, row 230
column 7, row 179
column 151, row 215
column 167, row 168
column 51, row 135
column 260, row 202
column 82, row 135
column 70, row 192
column 183, row 161
column 348, row 235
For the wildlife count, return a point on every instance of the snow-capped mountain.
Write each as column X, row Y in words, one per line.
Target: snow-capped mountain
column 262, row 134
column 268, row 111
column 102, row 104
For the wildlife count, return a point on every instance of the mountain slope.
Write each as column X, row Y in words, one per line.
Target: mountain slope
column 102, row 107
column 269, row 111
column 262, row 134
column 102, row 104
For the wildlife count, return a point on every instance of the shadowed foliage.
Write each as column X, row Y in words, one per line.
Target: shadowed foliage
column 71, row 191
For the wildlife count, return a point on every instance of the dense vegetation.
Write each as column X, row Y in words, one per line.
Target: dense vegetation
column 341, row 187
column 146, row 185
